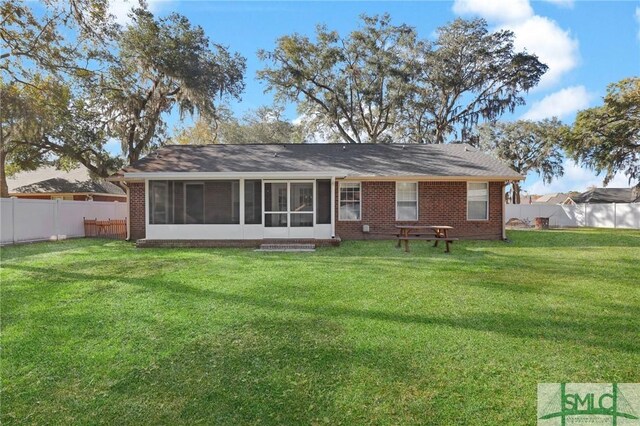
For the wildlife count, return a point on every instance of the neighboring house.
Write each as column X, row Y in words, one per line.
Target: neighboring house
column 48, row 183
column 243, row 194
column 528, row 199
column 557, row 198
column 609, row 195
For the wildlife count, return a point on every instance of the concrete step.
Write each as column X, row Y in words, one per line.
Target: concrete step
column 287, row 247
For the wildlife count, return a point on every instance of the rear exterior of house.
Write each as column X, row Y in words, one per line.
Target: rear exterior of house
column 246, row 194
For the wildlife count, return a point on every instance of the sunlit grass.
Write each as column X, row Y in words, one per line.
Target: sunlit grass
column 100, row 332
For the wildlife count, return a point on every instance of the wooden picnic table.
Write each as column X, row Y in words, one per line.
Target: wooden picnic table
column 439, row 234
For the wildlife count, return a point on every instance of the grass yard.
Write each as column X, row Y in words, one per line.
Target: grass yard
column 97, row 331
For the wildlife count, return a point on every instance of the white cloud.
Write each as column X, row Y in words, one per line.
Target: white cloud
column 553, row 46
column 559, row 104
column 638, row 20
column 575, row 178
column 537, row 34
column 120, row 9
column 495, row 10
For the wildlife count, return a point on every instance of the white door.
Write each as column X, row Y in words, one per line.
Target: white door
column 289, row 209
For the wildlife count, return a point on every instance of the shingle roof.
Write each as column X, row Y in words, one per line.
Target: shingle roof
column 357, row 160
column 51, row 180
column 608, row 195
column 557, row 198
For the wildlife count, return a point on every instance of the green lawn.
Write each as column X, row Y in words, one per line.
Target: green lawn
column 97, row 331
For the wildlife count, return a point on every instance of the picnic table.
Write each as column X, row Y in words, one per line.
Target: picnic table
column 436, row 233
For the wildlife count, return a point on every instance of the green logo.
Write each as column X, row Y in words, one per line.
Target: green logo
column 614, row 404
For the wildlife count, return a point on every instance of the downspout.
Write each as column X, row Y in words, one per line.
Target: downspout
column 504, row 210
column 126, row 188
column 333, row 207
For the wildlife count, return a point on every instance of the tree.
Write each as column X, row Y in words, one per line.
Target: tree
column 467, row 75
column 525, row 146
column 354, row 85
column 263, row 125
column 34, row 43
column 41, row 122
column 607, row 138
column 382, row 83
column 159, row 65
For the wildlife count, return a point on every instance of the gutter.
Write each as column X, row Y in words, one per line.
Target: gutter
column 140, row 176
column 126, row 188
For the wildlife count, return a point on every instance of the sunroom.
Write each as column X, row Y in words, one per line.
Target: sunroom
column 240, row 209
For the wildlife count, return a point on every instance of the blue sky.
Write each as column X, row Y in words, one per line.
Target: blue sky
column 587, row 45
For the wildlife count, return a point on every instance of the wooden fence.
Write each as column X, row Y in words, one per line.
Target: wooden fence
column 116, row 229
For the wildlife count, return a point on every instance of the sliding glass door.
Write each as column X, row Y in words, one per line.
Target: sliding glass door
column 288, row 209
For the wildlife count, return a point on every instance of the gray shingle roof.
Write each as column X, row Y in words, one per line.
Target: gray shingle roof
column 51, row 180
column 608, row 195
column 353, row 160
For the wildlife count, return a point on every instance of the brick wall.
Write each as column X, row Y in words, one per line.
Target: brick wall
column 439, row 203
column 136, row 210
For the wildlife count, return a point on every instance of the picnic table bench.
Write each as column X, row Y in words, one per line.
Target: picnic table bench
column 437, row 233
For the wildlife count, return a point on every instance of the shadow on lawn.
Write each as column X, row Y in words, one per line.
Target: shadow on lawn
column 25, row 250
column 616, row 331
column 278, row 370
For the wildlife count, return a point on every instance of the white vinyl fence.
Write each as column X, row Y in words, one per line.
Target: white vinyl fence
column 25, row 220
column 613, row 215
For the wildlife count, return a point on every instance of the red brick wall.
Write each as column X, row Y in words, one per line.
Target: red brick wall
column 76, row 197
column 136, row 210
column 439, row 203
column 33, row 197
column 109, row 198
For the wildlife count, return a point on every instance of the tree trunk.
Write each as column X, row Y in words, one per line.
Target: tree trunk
column 515, row 193
column 4, row 188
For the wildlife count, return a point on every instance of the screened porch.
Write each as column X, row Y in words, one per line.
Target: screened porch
column 239, row 209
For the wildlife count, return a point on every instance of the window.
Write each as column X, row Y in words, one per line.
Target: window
column 406, row 201
column 158, row 202
column 301, row 204
column 350, row 204
column 194, row 202
column 275, row 205
column 323, row 201
column 477, row 201
column 252, row 201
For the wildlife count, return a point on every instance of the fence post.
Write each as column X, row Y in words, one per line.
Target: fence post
column 56, row 219
column 13, row 218
column 586, row 219
column 615, row 216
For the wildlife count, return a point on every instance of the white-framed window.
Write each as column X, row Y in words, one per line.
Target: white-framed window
column 406, row 200
column 350, row 201
column 477, row 200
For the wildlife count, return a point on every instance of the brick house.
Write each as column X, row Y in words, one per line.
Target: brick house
column 245, row 194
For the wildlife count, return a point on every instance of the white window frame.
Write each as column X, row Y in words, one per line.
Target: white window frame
column 347, row 201
column 487, row 212
column 417, row 203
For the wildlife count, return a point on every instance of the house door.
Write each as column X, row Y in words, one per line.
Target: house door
column 289, row 209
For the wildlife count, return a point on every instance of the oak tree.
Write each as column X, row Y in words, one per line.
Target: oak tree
column 607, row 138
column 161, row 65
column 525, row 146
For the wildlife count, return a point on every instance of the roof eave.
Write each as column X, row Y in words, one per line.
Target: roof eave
column 131, row 176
